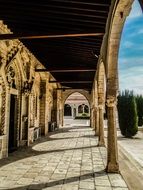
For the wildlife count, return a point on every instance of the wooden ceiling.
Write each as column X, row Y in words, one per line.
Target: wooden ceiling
column 71, row 60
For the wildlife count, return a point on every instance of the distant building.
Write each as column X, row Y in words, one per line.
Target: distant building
column 76, row 105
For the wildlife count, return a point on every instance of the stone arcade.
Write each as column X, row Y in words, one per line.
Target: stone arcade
column 31, row 99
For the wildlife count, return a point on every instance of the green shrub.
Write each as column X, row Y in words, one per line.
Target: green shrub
column 84, row 115
column 139, row 101
column 81, row 117
column 127, row 114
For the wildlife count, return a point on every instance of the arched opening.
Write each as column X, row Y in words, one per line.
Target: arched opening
column 130, row 68
column 76, row 109
column 80, row 109
column 118, row 18
column 130, row 52
column 86, row 109
column 83, row 109
column 67, row 110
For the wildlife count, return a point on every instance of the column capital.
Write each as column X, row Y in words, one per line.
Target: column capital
column 101, row 106
column 96, row 108
column 111, row 101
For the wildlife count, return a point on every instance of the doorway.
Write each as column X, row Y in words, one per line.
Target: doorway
column 74, row 113
column 12, row 144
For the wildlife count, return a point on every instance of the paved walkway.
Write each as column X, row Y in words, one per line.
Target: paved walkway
column 133, row 147
column 131, row 160
column 68, row 159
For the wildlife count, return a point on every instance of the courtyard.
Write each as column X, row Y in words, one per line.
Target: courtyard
column 67, row 159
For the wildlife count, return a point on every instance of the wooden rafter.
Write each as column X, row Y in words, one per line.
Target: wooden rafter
column 70, row 82
column 17, row 36
column 64, row 70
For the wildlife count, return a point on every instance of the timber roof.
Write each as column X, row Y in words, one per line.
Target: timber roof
column 71, row 60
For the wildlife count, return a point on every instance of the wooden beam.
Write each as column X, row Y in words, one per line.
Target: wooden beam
column 70, row 82
column 64, row 70
column 18, row 36
column 64, row 89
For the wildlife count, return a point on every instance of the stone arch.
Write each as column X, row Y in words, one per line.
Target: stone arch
column 80, row 109
column 13, row 81
column 74, row 107
column 86, row 94
column 101, row 83
column 121, row 11
column 83, row 108
column 86, row 109
column 13, row 75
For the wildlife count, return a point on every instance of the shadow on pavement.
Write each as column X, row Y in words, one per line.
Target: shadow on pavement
column 41, row 186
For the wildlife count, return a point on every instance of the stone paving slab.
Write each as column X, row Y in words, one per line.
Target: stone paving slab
column 133, row 147
column 66, row 160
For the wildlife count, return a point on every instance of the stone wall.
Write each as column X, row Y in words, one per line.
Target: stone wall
column 26, row 97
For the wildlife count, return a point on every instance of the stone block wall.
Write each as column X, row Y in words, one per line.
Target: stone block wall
column 32, row 91
column 3, row 146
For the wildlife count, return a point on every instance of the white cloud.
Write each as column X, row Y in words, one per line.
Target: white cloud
column 131, row 74
column 128, row 80
column 131, row 60
column 136, row 11
column 136, row 33
column 127, row 44
column 140, row 31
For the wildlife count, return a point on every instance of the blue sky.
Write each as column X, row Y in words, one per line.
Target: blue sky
column 131, row 52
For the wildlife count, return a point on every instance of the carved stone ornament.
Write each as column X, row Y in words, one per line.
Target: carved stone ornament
column 96, row 108
column 11, row 54
column 27, row 87
column 2, row 106
column 11, row 78
column 1, row 89
column 2, row 58
column 111, row 101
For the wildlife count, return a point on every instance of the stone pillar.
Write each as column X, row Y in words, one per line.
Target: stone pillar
column 91, row 117
column 112, row 154
column 72, row 112
column 54, row 110
column 101, row 141
column 96, row 121
column 62, row 116
column 77, row 110
column 43, row 108
column 24, row 120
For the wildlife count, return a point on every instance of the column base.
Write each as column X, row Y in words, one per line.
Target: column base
column 96, row 133
column 112, row 168
column 101, row 144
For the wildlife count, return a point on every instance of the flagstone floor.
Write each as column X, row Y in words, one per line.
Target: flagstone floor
column 68, row 159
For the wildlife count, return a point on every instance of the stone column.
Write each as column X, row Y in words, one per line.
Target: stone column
column 96, row 121
column 92, row 117
column 77, row 110
column 112, row 154
column 62, row 116
column 101, row 141
column 43, row 107
column 24, row 121
column 72, row 111
column 54, row 110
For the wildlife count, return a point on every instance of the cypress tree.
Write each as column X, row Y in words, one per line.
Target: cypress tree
column 127, row 113
column 139, row 101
